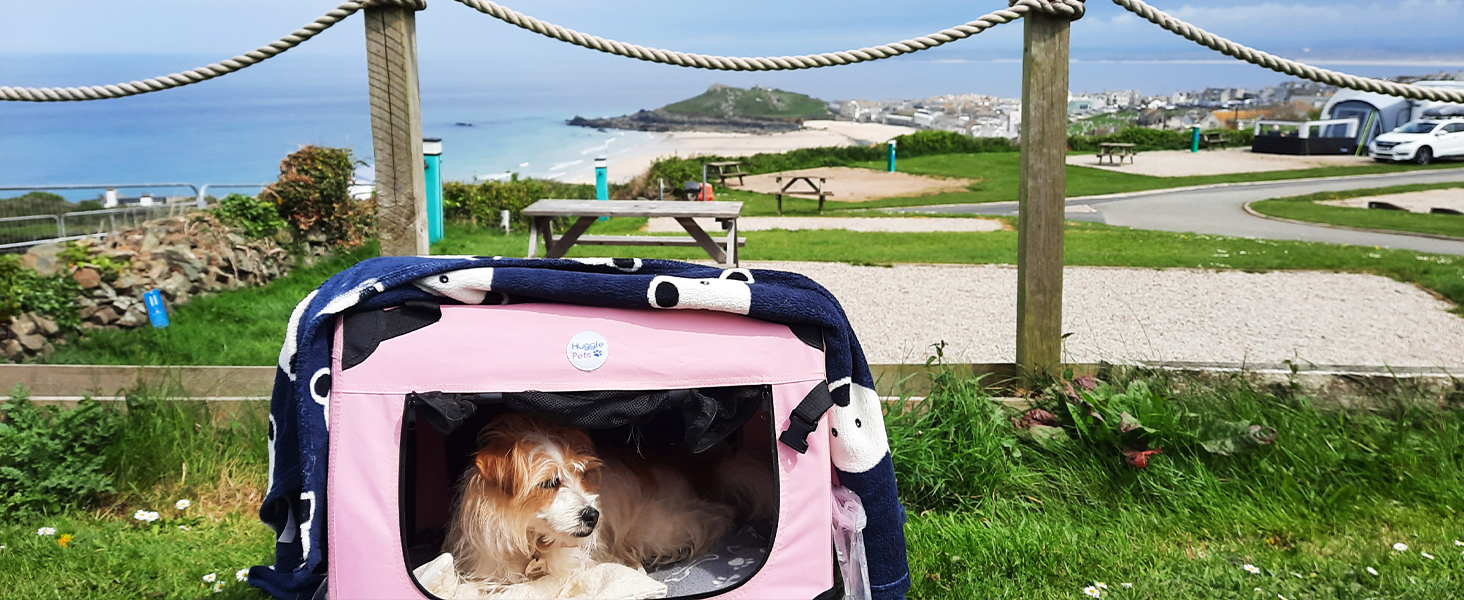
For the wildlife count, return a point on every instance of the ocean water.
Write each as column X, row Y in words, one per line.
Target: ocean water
column 236, row 128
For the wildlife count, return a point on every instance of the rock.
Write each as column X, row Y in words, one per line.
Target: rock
column 133, row 317
column 87, row 277
column 32, row 342
column 44, row 325
column 105, row 316
column 150, row 238
column 47, row 350
column 124, row 302
column 12, row 349
column 125, row 281
column 119, row 253
column 22, row 326
column 87, row 311
column 43, row 258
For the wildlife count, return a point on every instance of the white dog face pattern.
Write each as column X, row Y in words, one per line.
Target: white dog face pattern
column 729, row 294
column 858, row 431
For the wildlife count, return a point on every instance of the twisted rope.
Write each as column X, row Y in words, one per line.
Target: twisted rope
column 1282, row 65
column 256, row 56
column 1072, row 9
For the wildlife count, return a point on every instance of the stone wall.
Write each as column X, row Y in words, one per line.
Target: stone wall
column 183, row 257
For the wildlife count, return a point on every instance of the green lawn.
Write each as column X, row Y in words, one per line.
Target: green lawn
column 1305, row 208
column 245, row 327
column 998, row 172
column 990, row 515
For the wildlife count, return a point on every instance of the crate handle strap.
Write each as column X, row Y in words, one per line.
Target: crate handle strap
column 805, row 417
column 364, row 331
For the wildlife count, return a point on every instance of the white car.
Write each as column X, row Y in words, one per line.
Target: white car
column 1420, row 141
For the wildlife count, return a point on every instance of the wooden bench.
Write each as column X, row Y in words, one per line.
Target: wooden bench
column 585, row 212
column 1214, row 140
column 1116, row 151
column 815, row 189
column 723, row 170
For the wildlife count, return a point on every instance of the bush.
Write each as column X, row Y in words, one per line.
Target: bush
column 1145, row 139
column 23, row 290
column 482, row 202
column 52, row 459
column 258, row 218
column 312, row 194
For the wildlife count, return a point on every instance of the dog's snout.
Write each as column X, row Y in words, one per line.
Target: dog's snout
column 590, row 516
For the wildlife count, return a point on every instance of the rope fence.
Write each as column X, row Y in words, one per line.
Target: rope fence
column 1072, row 9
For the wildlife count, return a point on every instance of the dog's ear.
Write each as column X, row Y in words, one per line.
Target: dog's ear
column 495, row 465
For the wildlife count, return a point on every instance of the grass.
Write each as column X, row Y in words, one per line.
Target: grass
column 166, row 451
column 241, row 327
column 1305, row 208
column 990, row 515
column 998, row 174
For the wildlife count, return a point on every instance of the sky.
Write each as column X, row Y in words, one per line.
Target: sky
column 456, row 42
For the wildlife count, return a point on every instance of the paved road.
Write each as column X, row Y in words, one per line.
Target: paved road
column 1219, row 211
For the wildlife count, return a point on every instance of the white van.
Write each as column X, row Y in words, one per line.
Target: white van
column 1420, row 141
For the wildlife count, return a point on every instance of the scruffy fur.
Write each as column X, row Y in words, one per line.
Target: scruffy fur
column 525, row 506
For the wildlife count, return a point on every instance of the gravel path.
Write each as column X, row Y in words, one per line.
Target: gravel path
column 1123, row 314
column 1182, row 163
column 884, row 224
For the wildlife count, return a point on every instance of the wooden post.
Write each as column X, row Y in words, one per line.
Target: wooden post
column 396, row 130
column 1040, row 194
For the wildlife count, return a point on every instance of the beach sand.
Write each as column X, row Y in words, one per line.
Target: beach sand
column 848, row 184
column 626, row 166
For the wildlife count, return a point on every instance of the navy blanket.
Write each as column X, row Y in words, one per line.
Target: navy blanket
column 294, row 504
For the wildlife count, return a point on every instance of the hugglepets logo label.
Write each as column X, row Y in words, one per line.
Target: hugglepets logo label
column 587, row 350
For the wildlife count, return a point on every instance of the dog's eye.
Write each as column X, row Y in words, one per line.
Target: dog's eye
column 551, row 484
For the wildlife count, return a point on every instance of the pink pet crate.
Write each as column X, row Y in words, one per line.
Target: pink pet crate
column 392, row 480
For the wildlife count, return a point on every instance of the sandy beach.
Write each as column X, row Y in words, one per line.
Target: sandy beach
column 626, row 164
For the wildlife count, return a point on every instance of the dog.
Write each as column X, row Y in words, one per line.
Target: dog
column 540, row 500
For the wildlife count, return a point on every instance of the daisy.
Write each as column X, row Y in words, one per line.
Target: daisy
column 1401, row 547
column 1372, row 571
column 46, row 531
column 1100, row 585
column 210, row 578
column 1250, row 568
column 183, row 504
column 1427, row 555
column 1458, row 543
column 1092, row 592
column 242, row 574
column 218, row 587
column 146, row 516
column 1127, row 585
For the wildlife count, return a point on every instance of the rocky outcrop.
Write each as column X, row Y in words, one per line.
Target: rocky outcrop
column 182, row 257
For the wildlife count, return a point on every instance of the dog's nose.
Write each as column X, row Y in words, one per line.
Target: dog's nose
column 590, row 516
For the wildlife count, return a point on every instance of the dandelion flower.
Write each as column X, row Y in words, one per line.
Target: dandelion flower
column 1401, row 547
column 1372, row 571
column 1427, row 555
column 210, row 577
column 46, row 531
column 1250, row 568
column 183, row 504
column 218, row 587
column 64, row 539
column 184, row 528
column 1092, row 592
column 242, row 574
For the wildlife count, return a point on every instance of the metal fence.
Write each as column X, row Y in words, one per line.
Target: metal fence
column 23, row 225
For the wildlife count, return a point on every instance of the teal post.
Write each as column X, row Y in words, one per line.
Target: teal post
column 1195, row 140
column 892, row 156
column 432, row 156
column 602, row 183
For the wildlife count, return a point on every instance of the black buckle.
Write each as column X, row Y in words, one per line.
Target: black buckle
column 796, row 435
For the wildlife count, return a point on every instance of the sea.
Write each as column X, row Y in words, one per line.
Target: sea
column 493, row 119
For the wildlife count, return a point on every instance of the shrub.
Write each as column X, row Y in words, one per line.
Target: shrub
column 258, row 218
column 23, row 290
column 51, row 459
column 482, row 202
column 1145, row 139
column 78, row 255
column 312, row 194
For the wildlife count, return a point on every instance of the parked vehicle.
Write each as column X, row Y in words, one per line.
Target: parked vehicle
column 1420, row 141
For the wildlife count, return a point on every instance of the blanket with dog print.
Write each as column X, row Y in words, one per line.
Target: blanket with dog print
column 294, row 504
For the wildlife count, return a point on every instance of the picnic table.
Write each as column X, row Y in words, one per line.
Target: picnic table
column 723, row 170
column 1214, row 139
column 585, row 212
column 1116, row 151
column 814, row 189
